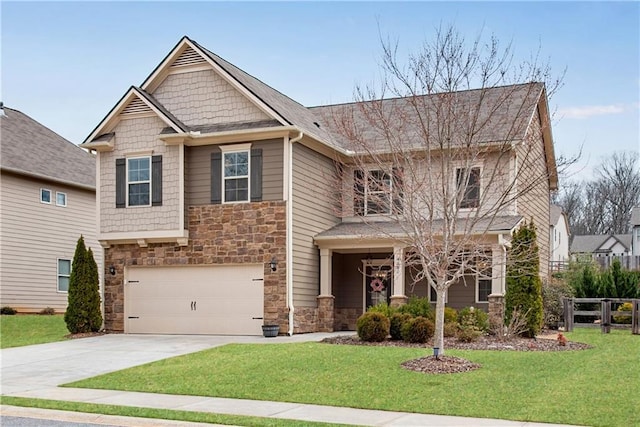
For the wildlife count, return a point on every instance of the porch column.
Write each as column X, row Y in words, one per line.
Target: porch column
column 325, row 272
column 325, row 299
column 398, row 298
column 498, row 288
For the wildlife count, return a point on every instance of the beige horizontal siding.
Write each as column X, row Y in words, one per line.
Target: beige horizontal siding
column 35, row 235
column 313, row 212
column 198, row 171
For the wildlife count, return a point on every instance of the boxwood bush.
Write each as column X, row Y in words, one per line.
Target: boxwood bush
column 418, row 330
column 373, row 326
column 470, row 316
column 396, row 321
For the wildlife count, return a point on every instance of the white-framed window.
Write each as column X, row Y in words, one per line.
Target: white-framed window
column 61, row 199
column 468, row 187
column 64, row 272
column 139, row 181
column 484, row 273
column 235, row 176
column 483, row 289
column 378, row 196
column 45, row 196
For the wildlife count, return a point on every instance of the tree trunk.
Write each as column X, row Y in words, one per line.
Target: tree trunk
column 438, row 339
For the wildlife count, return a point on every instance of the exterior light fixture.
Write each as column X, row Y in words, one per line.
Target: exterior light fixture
column 436, row 353
column 112, row 270
column 273, row 264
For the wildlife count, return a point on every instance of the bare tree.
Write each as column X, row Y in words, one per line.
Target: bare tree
column 603, row 205
column 437, row 161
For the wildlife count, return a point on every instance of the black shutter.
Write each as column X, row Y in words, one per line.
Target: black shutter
column 358, row 192
column 216, row 177
column 398, row 194
column 121, row 183
column 156, row 181
column 256, row 174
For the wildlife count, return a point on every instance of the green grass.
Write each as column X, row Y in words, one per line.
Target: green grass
column 164, row 414
column 28, row 329
column 598, row 387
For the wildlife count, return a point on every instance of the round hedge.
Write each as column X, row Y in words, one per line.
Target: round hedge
column 397, row 320
column 418, row 330
column 372, row 326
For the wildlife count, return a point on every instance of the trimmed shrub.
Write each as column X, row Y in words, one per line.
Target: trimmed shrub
column 470, row 316
column 9, row 311
column 396, row 322
column 468, row 334
column 451, row 329
column 373, row 326
column 47, row 311
column 418, row 307
column 450, row 315
column 383, row 308
column 418, row 330
column 627, row 306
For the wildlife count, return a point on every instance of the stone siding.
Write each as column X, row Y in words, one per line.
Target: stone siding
column 205, row 98
column 345, row 319
column 218, row 234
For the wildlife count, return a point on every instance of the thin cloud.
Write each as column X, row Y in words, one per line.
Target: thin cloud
column 590, row 111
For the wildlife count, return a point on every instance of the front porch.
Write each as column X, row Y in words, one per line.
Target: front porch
column 357, row 277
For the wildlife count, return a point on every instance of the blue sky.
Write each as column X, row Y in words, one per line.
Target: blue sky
column 67, row 63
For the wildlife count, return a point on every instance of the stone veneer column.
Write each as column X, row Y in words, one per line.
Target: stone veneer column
column 325, row 313
column 496, row 312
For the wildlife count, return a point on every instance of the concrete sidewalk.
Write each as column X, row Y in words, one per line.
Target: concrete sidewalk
column 36, row 371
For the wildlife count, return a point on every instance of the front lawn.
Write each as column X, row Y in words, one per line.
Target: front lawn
column 598, row 387
column 28, row 329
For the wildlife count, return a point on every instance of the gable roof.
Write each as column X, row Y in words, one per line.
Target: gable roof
column 596, row 242
column 30, row 148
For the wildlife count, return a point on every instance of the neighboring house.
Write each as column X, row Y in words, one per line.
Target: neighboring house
column 47, row 193
column 635, row 231
column 216, row 209
column 559, row 238
column 600, row 245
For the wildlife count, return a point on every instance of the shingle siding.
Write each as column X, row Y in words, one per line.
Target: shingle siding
column 313, row 212
column 203, row 97
column 140, row 135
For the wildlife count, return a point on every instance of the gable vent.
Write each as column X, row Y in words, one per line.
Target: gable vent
column 188, row 57
column 136, row 106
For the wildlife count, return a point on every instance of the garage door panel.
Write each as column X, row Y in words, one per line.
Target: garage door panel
column 195, row 300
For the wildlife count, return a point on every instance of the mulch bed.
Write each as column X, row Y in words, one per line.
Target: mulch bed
column 449, row 364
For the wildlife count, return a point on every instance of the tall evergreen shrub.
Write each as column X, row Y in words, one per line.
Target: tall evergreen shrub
column 83, row 310
column 524, row 286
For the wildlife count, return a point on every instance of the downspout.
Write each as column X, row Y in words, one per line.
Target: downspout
column 290, row 231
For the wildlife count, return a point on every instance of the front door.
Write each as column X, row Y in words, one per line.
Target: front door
column 377, row 282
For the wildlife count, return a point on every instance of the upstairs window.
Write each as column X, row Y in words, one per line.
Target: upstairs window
column 139, row 181
column 45, row 196
column 468, row 187
column 236, row 176
column 61, row 199
column 377, row 192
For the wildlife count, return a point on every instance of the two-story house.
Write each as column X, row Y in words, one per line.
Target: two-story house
column 559, row 238
column 217, row 208
column 635, row 231
column 48, row 199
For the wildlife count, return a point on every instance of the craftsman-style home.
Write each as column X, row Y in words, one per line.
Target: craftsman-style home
column 217, row 214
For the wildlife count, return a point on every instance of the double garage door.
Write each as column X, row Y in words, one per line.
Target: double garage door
column 224, row 300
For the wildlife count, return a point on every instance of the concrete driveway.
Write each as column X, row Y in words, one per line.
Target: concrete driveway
column 43, row 366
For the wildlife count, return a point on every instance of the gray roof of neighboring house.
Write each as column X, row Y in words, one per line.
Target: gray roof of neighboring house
column 389, row 229
column 554, row 214
column 593, row 242
column 635, row 216
column 498, row 113
column 30, row 148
